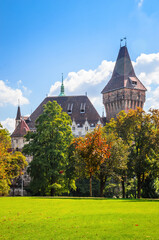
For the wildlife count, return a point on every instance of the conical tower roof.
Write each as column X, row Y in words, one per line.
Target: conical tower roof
column 18, row 117
column 123, row 75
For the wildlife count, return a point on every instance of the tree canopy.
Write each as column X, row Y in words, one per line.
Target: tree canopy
column 116, row 164
column 49, row 148
column 93, row 149
column 140, row 131
column 11, row 163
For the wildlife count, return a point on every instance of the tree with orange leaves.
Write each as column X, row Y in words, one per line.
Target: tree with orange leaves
column 93, row 149
column 11, row 164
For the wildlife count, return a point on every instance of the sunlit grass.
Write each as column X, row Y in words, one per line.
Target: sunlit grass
column 78, row 218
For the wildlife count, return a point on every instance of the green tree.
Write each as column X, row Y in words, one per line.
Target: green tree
column 139, row 131
column 49, row 148
column 116, row 165
column 11, row 163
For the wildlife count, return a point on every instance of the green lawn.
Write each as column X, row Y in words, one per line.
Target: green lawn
column 78, row 218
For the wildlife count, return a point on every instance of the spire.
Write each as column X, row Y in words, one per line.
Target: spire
column 18, row 117
column 123, row 66
column 123, row 75
column 62, row 93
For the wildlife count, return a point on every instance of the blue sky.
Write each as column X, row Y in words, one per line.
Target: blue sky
column 40, row 39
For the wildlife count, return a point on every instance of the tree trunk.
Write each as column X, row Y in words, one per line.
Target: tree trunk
column 52, row 192
column 139, row 186
column 13, row 186
column 13, row 190
column 90, row 184
column 123, row 187
column 102, row 185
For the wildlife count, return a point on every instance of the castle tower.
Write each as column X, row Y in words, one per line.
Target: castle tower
column 124, row 90
column 18, row 117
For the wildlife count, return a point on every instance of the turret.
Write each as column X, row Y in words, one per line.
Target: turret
column 18, row 117
column 124, row 90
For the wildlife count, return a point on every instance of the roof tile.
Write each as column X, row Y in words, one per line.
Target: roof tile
column 123, row 74
column 21, row 129
column 76, row 114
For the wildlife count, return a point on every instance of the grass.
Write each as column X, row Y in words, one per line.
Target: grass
column 78, row 218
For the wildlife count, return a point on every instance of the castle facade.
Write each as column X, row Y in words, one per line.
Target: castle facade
column 123, row 91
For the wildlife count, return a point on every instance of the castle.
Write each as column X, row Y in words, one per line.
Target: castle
column 124, row 91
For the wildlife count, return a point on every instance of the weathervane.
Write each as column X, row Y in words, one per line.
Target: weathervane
column 122, row 39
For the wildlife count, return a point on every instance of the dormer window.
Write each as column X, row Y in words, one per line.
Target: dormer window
column 92, row 125
column 134, row 83
column 69, row 108
column 83, row 107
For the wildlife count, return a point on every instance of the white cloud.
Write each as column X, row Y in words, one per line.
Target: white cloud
column 19, row 83
column 77, row 81
column 55, row 87
column 140, row 3
column 9, row 95
column 152, row 100
column 93, row 81
column 26, row 90
column 97, row 103
column 147, row 68
column 9, row 124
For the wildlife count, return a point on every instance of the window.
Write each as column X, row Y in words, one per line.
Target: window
column 73, row 128
column 134, row 83
column 83, row 107
column 69, row 108
column 86, row 128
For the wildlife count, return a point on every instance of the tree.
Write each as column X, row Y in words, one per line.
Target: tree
column 49, row 148
column 116, row 164
column 11, row 163
column 139, row 131
column 120, row 148
column 143, row 143
column 93, row 149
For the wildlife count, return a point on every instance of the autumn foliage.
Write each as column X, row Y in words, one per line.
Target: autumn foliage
column 11, row 163
column 93, row 149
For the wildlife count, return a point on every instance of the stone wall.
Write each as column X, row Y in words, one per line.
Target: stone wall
column 122, row 99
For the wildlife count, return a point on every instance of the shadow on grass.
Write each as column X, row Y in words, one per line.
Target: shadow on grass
column 95, row 198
